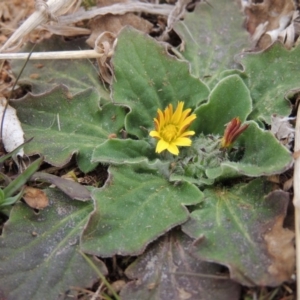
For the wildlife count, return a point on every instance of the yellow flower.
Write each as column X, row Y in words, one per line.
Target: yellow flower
column 232, row 131
column 171, row 128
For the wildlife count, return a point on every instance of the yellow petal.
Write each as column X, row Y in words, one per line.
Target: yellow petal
column 185, row 113
column 187, row 133
column 154, row 133
column 183, row 141
column 188, row 121
column 161, row 146
column 168, row 113
column 177, row 114
column 160, row 119
column 173, row 149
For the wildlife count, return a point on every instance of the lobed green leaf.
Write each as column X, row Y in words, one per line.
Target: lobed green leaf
column 135, row 207
column 212, row 35
column 148, row 78
column 62, row 126
column 39, row 252
column 236, row 227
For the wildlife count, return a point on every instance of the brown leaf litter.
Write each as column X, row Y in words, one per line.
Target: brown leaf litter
column 271, row 20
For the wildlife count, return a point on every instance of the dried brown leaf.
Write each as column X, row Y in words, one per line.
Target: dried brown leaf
column 104, row 45
column 282, row 129
column 288, row 184
column 35, row 198
column 267, row 19
column 280, row 245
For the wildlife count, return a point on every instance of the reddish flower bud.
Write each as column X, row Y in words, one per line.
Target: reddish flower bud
column 232, row 131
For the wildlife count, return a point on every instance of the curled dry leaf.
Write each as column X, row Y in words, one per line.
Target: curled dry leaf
column 44, row 13
column 268, row 20
column 177, row 13
column 104, row 32
column 12, row 132
column 280, row 245
column 104, row 45
column 35, row 198
column 287, row 30
column 282, row 129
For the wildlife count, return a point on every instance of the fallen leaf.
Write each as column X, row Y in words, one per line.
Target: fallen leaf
column 282, row 129
column 267, row 19
column 280, row 245
column 35, row 198
column 288, row 184
column 71, row 188
column 12, row 134
column 105, row 44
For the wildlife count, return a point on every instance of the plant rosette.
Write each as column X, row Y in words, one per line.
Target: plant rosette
column 185, row 131
column 176, row 141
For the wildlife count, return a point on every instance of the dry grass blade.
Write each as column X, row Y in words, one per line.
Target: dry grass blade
column 44, row 12
column 117, row 9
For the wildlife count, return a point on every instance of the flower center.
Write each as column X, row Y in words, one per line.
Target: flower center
column 169, row 132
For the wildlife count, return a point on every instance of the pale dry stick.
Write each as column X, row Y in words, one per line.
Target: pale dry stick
column 297, row 200
column 78, row 54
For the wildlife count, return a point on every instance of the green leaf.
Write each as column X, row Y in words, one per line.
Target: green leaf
column 134, row 208
column 117, row 151
column 11, row 200
column 147, row 78
column 17, row 183
column 229, row 99
column 172, row 273
column 62, row 126
column 39, row 252
column 270, row 75
column 2, row 197
column 212, row 35
column 261, row 154
column 241, row 228
column 75, row 74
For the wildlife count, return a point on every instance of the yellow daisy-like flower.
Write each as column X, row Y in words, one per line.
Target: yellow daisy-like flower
column 171, row 128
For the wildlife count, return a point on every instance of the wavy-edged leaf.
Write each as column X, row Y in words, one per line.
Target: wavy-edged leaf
column 241, row 228
column 270, row 76
column 43, row 75
column 39, row 252
column 62, row 126
column 135, row 207
column 147, row 78
column 117, row 151
column 212, row 35
column 230, row 98
column 260, row 154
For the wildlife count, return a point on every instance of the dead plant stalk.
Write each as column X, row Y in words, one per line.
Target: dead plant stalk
column 297, row 200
